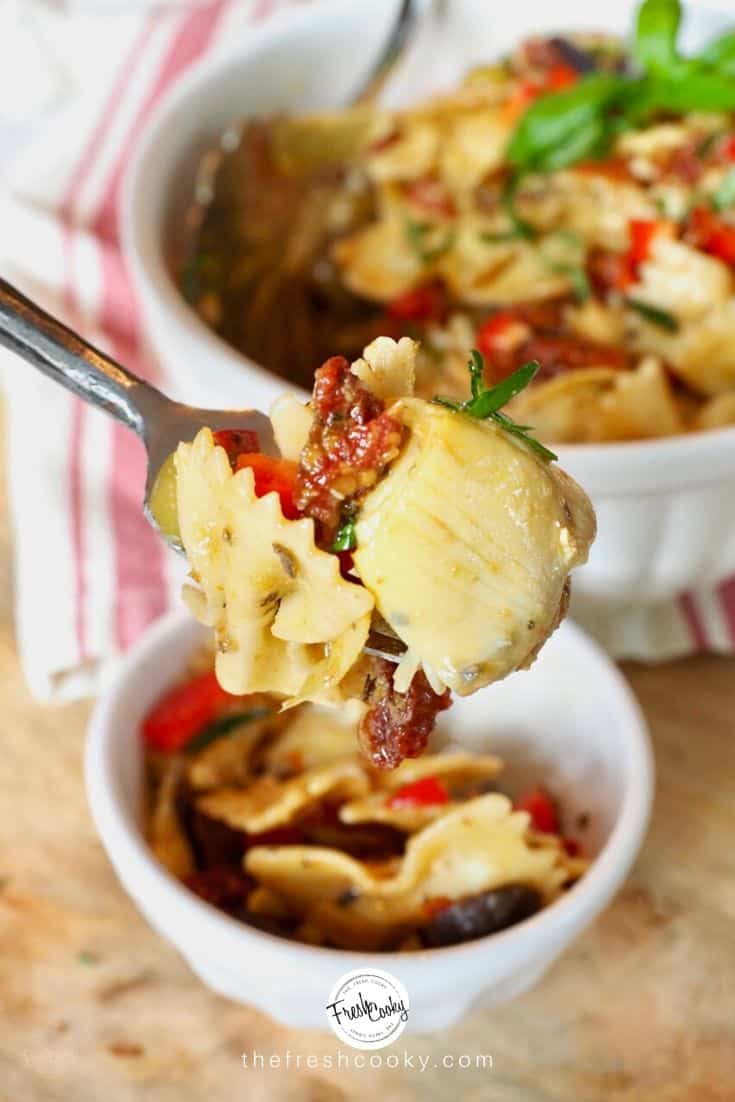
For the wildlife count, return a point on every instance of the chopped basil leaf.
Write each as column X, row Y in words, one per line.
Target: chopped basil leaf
column 563, row 126
column 566, row 126
column 486, row 402
column 225, row 725
column 346, row 539
column 520, row 226
column 720, row 54
column 579, row 280
column 417, row 232
column 724, row 197
column 657, row 28
column 654, row 314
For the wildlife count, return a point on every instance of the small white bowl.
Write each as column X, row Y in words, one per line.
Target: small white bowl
column 570, row 722
column 666, row 508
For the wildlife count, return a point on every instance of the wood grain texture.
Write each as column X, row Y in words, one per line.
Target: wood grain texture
column 94, row 1006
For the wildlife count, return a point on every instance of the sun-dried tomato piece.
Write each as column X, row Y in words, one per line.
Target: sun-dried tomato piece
column 397, row 725
column 560, row 353
column 351, row 441
column 223, row 886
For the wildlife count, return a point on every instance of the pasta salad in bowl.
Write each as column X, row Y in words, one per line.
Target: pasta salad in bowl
column 275, row 859
column 565, row 203
column 572, row 204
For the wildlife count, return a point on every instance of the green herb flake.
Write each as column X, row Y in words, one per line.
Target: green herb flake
column 417, row 234
column 654, row 314
column 724, row 197
column 224, row 725
column 708, row 143
column 500, row 237
column 346, row 538
column 87, row 958
column 520, row 227
column 486, row 402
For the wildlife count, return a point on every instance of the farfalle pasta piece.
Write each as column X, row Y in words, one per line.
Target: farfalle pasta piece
column 462, row 775
column 701, row 352
column 473, row 848
column 388, row 367
column 480, row 271
column 455, row 767
column 228, row 761
column 313, row 737
column 268, row 803
column 273, row 598
column 600, row 403
column 682, row 280
column 379, row 262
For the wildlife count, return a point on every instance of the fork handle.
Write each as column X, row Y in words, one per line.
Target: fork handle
column 65, row 357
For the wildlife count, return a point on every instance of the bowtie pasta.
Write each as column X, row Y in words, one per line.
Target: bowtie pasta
column 601, row 243
column 275, row 818
column 445, row 525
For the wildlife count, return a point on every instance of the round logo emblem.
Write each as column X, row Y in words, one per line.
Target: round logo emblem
column 368, row 1009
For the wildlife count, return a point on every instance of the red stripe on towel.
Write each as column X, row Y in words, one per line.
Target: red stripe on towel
column 726, row 593
column 140, row 579
column 67, row 213
column 694, row 620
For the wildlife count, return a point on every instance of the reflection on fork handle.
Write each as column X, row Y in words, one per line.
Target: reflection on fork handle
column 64, row 356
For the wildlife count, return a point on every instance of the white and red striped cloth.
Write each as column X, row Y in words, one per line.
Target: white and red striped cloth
column 90, row 574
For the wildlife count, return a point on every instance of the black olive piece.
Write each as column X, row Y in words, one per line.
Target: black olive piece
column 580, row 60
column 483, row 914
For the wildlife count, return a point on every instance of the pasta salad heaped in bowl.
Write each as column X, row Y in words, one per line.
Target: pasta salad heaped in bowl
column 571, row 204
column 658, row 498
column 569, row 725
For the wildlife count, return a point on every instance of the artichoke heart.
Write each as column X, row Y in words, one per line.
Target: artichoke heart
column 467, row 544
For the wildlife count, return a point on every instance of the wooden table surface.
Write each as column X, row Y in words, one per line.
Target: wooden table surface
column 94, row 1007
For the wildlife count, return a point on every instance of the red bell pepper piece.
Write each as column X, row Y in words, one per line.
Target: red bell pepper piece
column 726, row 150
column 272, row 476
column 183, row 712
column 499, row 335
column 520, row 99
column 643, row 233
column 560, row 76
column 425, row 303
column 542, row 809
column 712, row 234
column 421, row 793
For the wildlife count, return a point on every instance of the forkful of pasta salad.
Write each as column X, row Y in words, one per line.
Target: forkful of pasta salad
column 366, row 546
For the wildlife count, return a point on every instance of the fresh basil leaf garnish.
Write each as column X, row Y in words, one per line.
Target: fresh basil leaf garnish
column 657, row 28
column 486, row 402
column 720, row 54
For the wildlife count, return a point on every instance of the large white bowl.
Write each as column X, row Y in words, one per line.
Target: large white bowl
column 571, row 721
column 666, row 508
